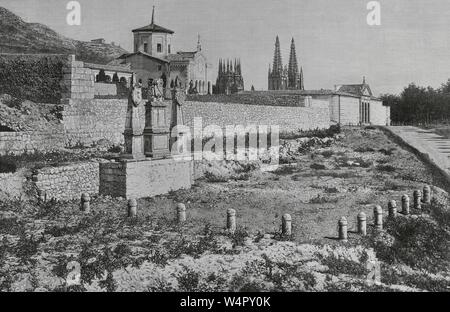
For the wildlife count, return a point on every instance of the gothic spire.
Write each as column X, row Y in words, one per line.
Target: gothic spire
column 220, row 66
column 277, row 61
column 293, row 67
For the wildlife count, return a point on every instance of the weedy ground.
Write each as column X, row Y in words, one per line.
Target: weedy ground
column 322, row 183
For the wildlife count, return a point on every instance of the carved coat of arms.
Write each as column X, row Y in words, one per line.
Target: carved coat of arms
column 137, row 96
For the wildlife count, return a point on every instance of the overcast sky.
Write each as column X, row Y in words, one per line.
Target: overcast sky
column 335, row 45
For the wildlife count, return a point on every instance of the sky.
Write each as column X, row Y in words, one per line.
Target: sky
column 335, row 45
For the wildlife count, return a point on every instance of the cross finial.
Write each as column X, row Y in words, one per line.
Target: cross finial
column 153, row 15
column 199, row 46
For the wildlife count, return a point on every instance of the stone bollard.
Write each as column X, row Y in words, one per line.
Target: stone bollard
column 392, row 208
column 132, row 208
column 362, row 224
column 405, row 205
column 417, row 199
column 42, row 196
column 343, row 229
column 378, row 217
column 286, row 226
column 231, row 221
column 426, row 195
column 85, row 203
column 181, row 213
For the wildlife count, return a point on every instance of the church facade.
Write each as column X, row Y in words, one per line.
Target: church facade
column 229, row 78
column 153, row 58
column 288, row 77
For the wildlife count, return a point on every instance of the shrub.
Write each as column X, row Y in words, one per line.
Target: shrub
column 33, row 77
column 318, row 166
column 385, row 168
column 7, row 166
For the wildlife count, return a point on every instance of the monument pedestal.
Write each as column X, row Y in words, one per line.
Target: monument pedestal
column 156, row 132
column 145, row 178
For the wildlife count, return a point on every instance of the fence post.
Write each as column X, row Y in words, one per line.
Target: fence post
column 392, row 208
column 231, row 221
column 343, row 229
column 181, row 213
column 378, row 217
column 417, row 199
column 426, row 195
column 132, row 208
column 405, row 205
column 85, row 203
column 286, row 228
column 362, row 224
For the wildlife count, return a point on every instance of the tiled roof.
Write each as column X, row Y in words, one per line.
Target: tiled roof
column 154, row 28
column 110, row 67
column 357, row 89
column 124, row 56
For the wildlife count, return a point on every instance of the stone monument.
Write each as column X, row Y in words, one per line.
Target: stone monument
column 134, row 149
column 156, row 132
column 178, row 138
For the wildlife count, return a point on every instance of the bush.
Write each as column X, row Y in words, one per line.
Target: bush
column 33, row 77
column 7, row 166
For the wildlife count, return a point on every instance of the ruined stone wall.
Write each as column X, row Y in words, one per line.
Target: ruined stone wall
column 68, row 182
column 17, row 143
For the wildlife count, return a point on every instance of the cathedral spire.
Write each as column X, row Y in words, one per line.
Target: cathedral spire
column 277, row 62
column 293, row 76
column 153, row 15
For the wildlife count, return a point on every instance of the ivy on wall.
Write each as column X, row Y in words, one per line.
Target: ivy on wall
column 32, row 77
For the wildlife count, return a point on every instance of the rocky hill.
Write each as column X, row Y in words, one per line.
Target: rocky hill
column 18, row 36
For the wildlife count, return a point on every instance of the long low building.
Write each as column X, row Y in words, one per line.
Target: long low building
column 351, row 104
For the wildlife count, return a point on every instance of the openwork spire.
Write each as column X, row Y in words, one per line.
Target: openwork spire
column 277, row 62
column 293, row 67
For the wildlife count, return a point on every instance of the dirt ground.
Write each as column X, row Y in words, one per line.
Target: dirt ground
column 347, row 175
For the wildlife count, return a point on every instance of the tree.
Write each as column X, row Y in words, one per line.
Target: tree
column 101, row 76
column 253, row 88
column 115, row 78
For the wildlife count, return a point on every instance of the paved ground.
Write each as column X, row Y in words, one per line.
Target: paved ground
column 427, row 142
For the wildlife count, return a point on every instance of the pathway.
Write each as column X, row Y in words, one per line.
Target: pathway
column 427, row 142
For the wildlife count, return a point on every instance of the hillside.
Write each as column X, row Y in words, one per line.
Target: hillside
column 17, row 36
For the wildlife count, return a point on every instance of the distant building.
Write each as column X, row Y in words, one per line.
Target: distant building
column 287, row 77
column 353, row 104
column 153, row 58
column 229, row 79
column 101, row 41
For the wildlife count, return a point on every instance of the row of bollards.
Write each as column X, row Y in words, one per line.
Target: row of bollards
column 286, row 225
column 378, row 213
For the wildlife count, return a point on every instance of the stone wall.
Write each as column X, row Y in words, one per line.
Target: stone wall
column 289, row 119
column 78, row 81
column 68, row 182
column 17, row 143
column 105, row 89
column 88, row 121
